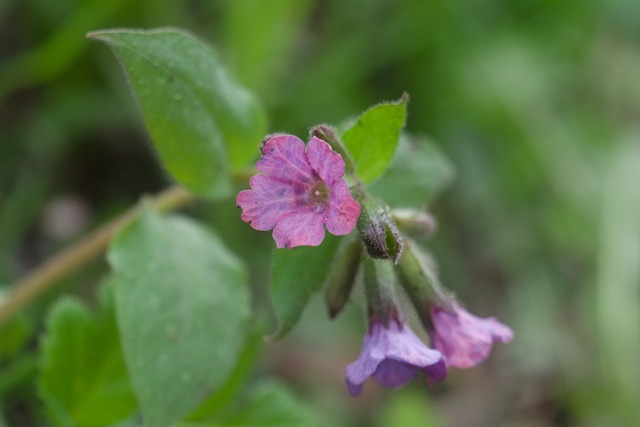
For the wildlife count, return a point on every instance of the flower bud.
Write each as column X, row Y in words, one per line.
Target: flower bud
column 422, row 285
column 342, row 277
column 419, row 223
column 380, row 284
column 378, row 232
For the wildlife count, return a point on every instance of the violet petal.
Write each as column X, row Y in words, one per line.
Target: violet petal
column 325, row 162
column 300, row 228
column 285, row 160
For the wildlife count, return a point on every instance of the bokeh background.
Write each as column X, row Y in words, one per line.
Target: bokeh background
column 536, row 105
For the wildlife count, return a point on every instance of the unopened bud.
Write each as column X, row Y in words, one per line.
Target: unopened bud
column 421, row 283
column 380, row 284
column 419, row 223
column 342, row 277
column 378, row 231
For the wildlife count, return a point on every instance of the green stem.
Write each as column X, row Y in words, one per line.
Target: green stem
column 60, row 265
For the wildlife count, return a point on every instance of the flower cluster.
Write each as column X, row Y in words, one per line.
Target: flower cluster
column 393, row 355
column 299, row 192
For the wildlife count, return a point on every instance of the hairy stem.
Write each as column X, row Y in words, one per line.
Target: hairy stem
column 51, row 271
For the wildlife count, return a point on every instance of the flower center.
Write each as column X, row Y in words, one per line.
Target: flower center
column 320, row 193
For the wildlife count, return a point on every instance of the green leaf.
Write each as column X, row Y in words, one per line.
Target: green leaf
column 15, row 335
column 202, row 122
column 372, row 140
column 182, row 305
column 417, row 173
column 272, row 404
column 238, row 378
column 296, row 275
column 83, row 378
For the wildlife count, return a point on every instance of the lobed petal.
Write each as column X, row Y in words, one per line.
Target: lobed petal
column 325, row 162
column 299, row 228
column 284, row 159
column 499, row 331
column 343, row 210
column 394, row 374
column 406, row 347
column 466, row 340
column 267, row 202
column 393, row 356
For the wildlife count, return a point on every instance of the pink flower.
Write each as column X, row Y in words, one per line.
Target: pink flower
column 464, row 339
column 393, row 356
column 299, row 193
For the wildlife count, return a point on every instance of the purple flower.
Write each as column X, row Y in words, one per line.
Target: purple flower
column 393, row 356
column 299, row 193
column 464, row 339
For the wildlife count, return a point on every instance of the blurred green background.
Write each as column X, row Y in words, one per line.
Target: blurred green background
column 535, row 103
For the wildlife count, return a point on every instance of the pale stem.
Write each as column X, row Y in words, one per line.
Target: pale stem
column 51, row 271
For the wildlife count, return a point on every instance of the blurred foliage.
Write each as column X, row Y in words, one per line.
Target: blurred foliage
column 535, row 103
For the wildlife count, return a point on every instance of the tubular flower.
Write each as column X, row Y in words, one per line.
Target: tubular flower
column 464, row 339
column 298, row 193
column 393, row 356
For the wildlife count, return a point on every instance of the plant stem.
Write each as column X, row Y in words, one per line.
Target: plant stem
column 46, row 275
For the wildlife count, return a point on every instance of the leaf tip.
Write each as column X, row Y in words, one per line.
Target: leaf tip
column 98, row 34
column 277, row 335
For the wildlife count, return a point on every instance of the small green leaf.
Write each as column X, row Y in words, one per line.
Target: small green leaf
column 202, row 122
column 296, row 275
column 83, row 378
column 417, row 173
column 182, row 306
column 372, row 140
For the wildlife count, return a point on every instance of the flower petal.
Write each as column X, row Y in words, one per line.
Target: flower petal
column 394, row 374
column 284, row 159
column 499, row 331
column 302, row 228
column 267, row 202
column 406, row 347
column 393, row 355
column 466, row 340
column 343, row 210
column 327, row 163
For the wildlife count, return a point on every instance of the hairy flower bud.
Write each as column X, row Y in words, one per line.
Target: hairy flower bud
column 421, row 284
column 342, row 277
column 419, row 223
column 379, row 233
column 380, row 284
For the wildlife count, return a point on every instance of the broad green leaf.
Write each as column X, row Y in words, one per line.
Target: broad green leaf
column 83, row 379
column 372, row 140
column 296, row 275
column 417, row 173
column 272, row 404
column 240, row 375
column 202, row 122
column 182, row 306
